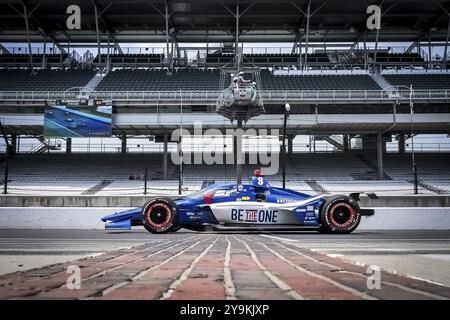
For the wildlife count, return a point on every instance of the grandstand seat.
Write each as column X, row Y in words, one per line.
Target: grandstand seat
column 420, row 82
column 18, row 60
column 43, row 80
column 332, row 172
column 158, row 80
column 317, row 82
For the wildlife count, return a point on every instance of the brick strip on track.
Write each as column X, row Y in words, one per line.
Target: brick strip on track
column 151, row 283
column 355, row 276
column 309, row 284
column 215, row 266
column 38, row 281
column 203, row 278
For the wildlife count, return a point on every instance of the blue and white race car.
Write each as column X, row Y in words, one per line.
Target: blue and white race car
column 256, row 206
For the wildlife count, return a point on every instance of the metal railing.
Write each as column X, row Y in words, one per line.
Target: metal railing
column 267, row 95
column 315, row 147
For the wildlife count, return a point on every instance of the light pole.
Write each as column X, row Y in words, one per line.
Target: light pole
column 180, row 145
column 287, row 109
column 7, row 145
column 413, row 156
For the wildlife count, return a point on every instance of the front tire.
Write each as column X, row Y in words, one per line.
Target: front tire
column 339, row 214
column 160, row 215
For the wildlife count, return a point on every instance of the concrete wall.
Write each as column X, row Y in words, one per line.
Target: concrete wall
column 89, row 218
column 137, row 201
column 54, row 218
column 407, row 219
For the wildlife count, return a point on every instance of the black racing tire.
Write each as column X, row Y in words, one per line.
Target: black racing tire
column 175, row 228
column 339, row 214
column 160, row 215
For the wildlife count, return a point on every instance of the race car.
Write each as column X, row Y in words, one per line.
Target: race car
column 255, row 206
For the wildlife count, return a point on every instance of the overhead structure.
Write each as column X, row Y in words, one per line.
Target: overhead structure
column 208, row 21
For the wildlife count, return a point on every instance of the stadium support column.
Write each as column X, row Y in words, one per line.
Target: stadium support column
column 377, row 38
column 69, row 145
column 44, row 54
column 308, row 16
column 165, row 157
column 97, row 34
column 448, row 32
column 6, row 162
column 345, row 142
column 166, row 17
column 13, row 144
column 237, row 142
column 365, row 50
column 446, row 42
column 124, row 143
column 26, row 15
column 401, row 143
column 429, row 49
column 300, row 59
column 236, row 41
column 237, row 15
column 380, row 156
column 287, row 109
column 290, row 144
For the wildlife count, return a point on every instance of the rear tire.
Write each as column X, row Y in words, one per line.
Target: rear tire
column 339, row 214
column 175, row 228
column 160, row 215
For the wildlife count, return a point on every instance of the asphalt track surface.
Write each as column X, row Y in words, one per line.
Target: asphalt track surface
column 91, row 127
column 189, row 265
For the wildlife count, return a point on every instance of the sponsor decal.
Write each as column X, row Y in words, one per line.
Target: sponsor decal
column 254, row 215
column 285, row 200
column 245, row 198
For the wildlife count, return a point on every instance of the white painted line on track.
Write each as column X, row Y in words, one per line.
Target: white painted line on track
column 328, row 239
column 141, row 259
column 424, row 293
column 230, row 289
column 174, row 285
column 288, row 290
column 331, row 281
column 145, row 272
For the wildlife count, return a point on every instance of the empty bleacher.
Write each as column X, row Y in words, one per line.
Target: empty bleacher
column 159, row 80
column 317, row 82
column 267, row 59
column 397, row 58
column 131, row 60
column 310, row 173
column 46, row 174
column 43, row 80
column 431, row 167
column 420, row 81
column 199, row 80
column 23, row 60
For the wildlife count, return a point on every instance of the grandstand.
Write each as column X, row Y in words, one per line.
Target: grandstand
column 43, row 80
column 81, row 174
column 159, row 80
column 341, row 81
